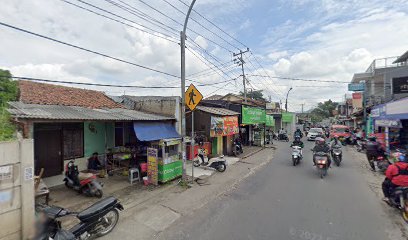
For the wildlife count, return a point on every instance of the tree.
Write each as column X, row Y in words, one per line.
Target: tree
column 323, row 110
column 256, row 95
column 8, row 92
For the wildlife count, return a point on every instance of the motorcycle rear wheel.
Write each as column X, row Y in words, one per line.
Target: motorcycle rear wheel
column 221, row 167
column 196, row 163
column 112, row 218
column 99, row 193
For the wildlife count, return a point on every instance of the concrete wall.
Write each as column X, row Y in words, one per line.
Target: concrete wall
column 17, row 193
column 94, row 141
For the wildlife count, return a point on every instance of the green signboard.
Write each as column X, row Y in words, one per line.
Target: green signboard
column 270, row 122
column 253, row 115
column 287, row 117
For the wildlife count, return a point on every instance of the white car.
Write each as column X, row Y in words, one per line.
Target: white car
column 314, row 133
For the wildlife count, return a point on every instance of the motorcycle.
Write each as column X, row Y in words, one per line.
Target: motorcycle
column 382, row 163
column 96, row 221
column 337, row 155
column 283, row 137
column 218, row 163
column 296, row 155
column 237, row 149
column 399, row 200
column 361, row 145
column 82, row 182
column 321, row 163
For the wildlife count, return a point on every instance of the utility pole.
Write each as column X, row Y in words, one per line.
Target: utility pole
column 287, row 95
column 183, row 88
column 302, row 106
column 240, row 61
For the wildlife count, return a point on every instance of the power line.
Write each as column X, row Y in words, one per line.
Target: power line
column 88, row 50
column 299, row 79
column 126, row 24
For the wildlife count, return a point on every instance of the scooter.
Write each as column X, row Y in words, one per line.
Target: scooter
column 361, row 145
column 82, row 182
column 237, row 149
column 218, row 163
column 96, row 221
column 337, row 155
column 296, row 155
column 321, row 163
column 382, row 163
column 399, row 200
column 283, row 137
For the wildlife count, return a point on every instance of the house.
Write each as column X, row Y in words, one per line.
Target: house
column 69, row 123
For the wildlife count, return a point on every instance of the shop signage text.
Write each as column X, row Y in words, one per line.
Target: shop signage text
column 388, row 123
column 270, row 121
column 400, row 85
column 287, row 117
column 253, row 115
column 356, row 87
column 152, row 166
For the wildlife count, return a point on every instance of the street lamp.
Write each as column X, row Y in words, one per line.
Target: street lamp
column 287, row 95
column 183, row 87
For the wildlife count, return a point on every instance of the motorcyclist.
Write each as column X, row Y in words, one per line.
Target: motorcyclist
column 282, row 132
column 298, row 133
column 322, row 146
column 297, row 142
column 373, row 149
column 396, row 176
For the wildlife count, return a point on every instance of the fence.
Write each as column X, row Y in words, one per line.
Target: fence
column 16, row 189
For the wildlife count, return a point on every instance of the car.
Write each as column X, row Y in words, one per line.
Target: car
column 314, row 133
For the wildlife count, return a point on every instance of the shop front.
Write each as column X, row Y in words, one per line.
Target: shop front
column 288, row 122
column 253, row 121
column 270, row 125
column 222, row 132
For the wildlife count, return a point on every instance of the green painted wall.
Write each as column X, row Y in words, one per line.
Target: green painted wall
column 94, row 141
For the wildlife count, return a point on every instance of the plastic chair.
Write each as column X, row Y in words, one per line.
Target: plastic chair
column 134, row 175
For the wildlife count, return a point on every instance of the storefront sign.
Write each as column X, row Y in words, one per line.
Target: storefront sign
column 352, row 87
column 253, row 115
column 152, row 166
column 400, row 85
column 388, row 123
column 270, row 121
column 398, row 107
column 224, row 126
column 357, row 100
column 270, row 106
column 287, row 117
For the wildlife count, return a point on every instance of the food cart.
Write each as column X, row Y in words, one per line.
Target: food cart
column 170, row 165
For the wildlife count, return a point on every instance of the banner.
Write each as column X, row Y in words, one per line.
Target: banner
column 224, row 126
column 400, row 85
column 356, row 87
column 270, row 106
column 152, row 166
column 357, row 100
column 270, row 121
column 253, row 115
column 287, row 117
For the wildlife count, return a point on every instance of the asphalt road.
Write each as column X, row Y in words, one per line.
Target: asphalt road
column 286, row 202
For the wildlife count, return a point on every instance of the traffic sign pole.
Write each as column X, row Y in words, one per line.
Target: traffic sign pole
column 192, row 147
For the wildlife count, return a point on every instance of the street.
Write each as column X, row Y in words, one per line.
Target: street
column 286, row 202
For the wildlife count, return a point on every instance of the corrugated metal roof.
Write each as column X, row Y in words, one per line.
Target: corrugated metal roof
column 59, row 112
column 217, row 111
column 157, row 98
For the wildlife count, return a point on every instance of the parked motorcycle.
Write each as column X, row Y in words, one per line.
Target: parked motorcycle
column 283, row 137
column 399, row 200
column 96, row 221
column 237, row 149
column 82, row 182
column 321, row 163
column 337, row 155
column 296, row 155
column 218, row 163
column 382, row 163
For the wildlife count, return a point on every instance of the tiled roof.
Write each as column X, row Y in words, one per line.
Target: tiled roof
column 59, row 112
column 217, row 111
column 49, row 94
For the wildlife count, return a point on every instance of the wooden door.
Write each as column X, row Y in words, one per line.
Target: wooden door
column 48, row 152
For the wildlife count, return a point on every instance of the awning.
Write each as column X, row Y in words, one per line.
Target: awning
column 150, row 131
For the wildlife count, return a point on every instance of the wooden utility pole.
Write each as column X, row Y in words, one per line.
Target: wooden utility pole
column 240, row 61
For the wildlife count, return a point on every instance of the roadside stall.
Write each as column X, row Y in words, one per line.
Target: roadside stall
column 269, row 128
column 254, row 119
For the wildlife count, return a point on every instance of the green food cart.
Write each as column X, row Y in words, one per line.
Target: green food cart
column 170, row 166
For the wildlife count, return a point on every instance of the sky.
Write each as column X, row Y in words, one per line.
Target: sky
column 309, row 39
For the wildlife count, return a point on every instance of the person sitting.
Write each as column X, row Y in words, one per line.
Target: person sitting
column 335, row 143
column 321, row 146
column 93, row 162
column 298, row 133
column 297, row 142
column 396, row 176
column 373, row 150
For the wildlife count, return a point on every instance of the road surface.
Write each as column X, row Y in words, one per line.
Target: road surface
column 286, row 202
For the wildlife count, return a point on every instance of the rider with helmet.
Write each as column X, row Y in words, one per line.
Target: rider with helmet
column 335, row 143
column 298, row 133
column 297, row 142
column 396, row 176
column 322, row 146
column 373, row 149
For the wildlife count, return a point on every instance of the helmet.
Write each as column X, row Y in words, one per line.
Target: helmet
column 402, row 158
column 297, row 138
column 320, row 140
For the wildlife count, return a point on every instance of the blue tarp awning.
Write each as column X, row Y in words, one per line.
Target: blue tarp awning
column 150, row 131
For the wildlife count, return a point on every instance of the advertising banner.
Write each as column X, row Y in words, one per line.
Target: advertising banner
column 270, row 121
column 400, row 85
column 357, row 100
column 152, row 166
column 224, row 126
column 287, row 117
column 252, row 115
column 270, row 106
column 356, row 87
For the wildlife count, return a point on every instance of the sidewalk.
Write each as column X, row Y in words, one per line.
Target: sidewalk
column 147, row 219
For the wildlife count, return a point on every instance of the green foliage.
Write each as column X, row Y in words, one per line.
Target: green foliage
column 8, row 92
column 256, row 95
column 323, row 110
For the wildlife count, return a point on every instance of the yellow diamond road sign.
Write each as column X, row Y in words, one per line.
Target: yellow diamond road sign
column 193, row 97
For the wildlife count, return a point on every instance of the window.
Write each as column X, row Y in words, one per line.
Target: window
column 73, row 140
